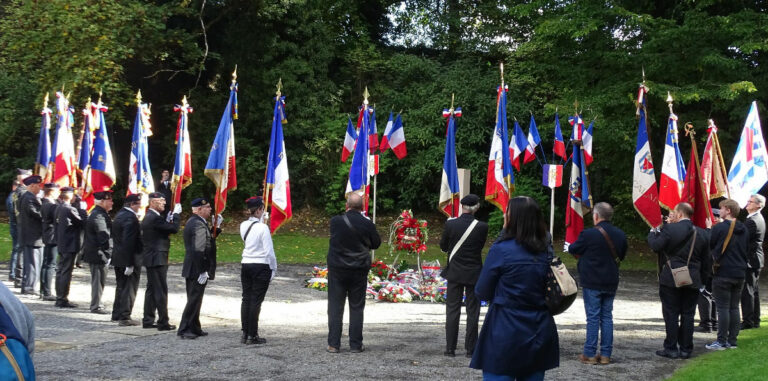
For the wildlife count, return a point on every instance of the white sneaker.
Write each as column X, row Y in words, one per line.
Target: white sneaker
column 715, row 346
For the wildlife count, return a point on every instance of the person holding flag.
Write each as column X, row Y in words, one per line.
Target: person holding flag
column 359, row 173
column 500, row 181
column 394, row 137
column 139, row 173
column 645, row 195
column 673, row 167
column 220, row 167
column 182, row 167
column 44, row 144
column 749, row 168
column 449, row 184
column 277, row 189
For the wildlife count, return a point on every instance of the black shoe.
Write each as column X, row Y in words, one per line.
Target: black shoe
column 188, row 336
column 100, row 311
column 746, row 326
column 668, row 354
column 29, row 293
column 331, row 349
column 201, row 333
column 151, row 325
column 168, row 327
column 685, row 355
column 358, row 350
column 449, row 353
column 66, row 305
column 128, row 323
column 255, row 340
column 49, row 298
column 16, row 284
column 244, row 338
column 703, row 329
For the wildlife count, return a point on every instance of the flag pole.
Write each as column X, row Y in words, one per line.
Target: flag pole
column 690, row 132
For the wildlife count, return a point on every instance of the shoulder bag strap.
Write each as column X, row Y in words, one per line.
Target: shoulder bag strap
column 462, row 239
column 728, row 237
column 610, row 243
column 690, row 252
column 249, row 230
column 352, row 227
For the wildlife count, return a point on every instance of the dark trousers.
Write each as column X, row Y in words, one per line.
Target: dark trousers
column 33, row 259
column 678, row 306
column 750, row 299
column 126, row 287
column 48, row 269
column 98, row 280
column 156, row 296
column 727, row 292
column 455, row 292
column 190, row 318
column 15, row 265
column 64, row 276
column 707, row 308
column 342, row 285
column 255, row 279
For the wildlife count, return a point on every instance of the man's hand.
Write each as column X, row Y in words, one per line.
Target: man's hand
column 203, row 278
column 177, row 209
column 83, row 205
column 128, row 271
column 219, row 220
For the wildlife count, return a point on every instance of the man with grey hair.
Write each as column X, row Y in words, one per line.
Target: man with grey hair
column 750, row 297
column 599, row 251
column 463, row 240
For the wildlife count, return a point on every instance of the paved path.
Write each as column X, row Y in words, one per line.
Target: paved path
column 403, row 341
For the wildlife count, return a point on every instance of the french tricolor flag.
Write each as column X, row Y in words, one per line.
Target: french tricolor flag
column 394, row 137
column 559, row 146
column 349, row 141
column 586, row 143
column 517, row 146
column 533, row 141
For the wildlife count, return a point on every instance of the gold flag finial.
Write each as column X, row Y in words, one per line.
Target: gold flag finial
column 366, row 94
column 669, row 101
column 234, row 75
column 279, row 87
column 451, row 109
column 576, row 106
column 184, row 101
column 643, row 75
column 689, row 130
column 100, row 92
column 501, row 69
column 45, row 100
column 138, row 97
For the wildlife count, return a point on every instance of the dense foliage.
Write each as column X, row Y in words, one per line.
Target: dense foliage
column 412, row 55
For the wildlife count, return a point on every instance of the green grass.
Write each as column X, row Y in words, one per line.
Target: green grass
column 748, row 362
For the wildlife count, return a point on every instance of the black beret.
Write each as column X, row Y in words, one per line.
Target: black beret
column 50, row 186
column 32, row 180
column 23, row 172
column 156, row 195
column 67, row 190
column 470, row 200
column 254, row 202
column 198, row 202
column 131, row 198
column 103, row 195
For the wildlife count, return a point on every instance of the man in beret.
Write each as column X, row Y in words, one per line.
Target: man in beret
column 50, row 203
column 70, row 223
column 13, row 230
column 97, row 248
column 199, row 266
column 17, row 256
column 126, row 235
column 463, row 239
column 155, row 232
column 31, row 223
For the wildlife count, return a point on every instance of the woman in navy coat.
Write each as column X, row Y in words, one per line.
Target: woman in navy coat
column 518, row 340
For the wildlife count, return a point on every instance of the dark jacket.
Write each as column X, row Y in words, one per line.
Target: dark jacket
column 519, row 335
column 673, row 243
column 350, row 249
column 756, row 228
column 70, row 222
column 733, row 262
column 465, row 266
column 9, row 207
column 30, row 220
column 48, row 211
column 155, row 233
column 15, row 198
column 167, row 194
column 97, row 247
column 200, row 248
column 126, row 235
column 597, row 268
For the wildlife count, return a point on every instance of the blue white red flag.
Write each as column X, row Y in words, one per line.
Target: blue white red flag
column 182, row 166
column 277, row 185
column 449, row 183
column 85, row 153
column 517, row 146
column 102, row 163
column 63, row 163
column 221, row 168
column 533, row 141
column 749, row 168
column 358, row 172
column 394, row 137
column 645, row 195
column 559, row 146
column 579, row 197
column 139, row 172
column 44, row 144
column 586, row 143
column 500, row 180
column 373, row 133
column 349, row 141
column 672, row 168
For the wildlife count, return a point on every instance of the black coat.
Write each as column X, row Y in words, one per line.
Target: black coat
column 756, row 227
column 167, row 194
column 200, row 248
column 155, row 233
column 70, row 222
column 48, row 211
column 733, row 262
column 350, row 249
column 126, row 235
column 465, row 266
column 597, row 268
column 30, row 221
column 673, row 243
column 97, row 247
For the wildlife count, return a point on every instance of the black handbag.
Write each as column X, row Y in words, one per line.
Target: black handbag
column 561, row 288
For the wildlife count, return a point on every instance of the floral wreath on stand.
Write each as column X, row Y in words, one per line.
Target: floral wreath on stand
column 408, row 235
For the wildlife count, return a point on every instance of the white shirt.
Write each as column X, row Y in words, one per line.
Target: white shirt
column 131, row 210
column 258, row 245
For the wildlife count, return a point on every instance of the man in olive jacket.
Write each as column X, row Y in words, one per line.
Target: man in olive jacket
column 97, row 247
column 462, row 272
column 70, row 222
column 199, row 266
column 31, row 234
column 127, row 258
column 156, row 242
column 353, row 236
column 678, row 304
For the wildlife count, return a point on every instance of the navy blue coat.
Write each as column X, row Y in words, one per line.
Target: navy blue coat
column 519, row 335
column 597, row 268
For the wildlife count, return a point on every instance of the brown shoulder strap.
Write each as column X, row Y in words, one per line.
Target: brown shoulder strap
column 610, row 243
column 690, row 252
column 728, row 237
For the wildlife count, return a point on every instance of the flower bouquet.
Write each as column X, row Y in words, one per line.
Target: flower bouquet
column 395, row 293
column 408, row 235
column 319, row 280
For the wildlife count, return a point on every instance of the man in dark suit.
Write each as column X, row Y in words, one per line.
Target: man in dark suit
column 165, row 189
column 155, row 232
column 31, row 229
column 462, row 269
column 353, row 236
column 97, row 248
column 750, row 296
column 126, row 234
column 70, row 222
column 17, row 252
column 199, row 266
column 50, row 203
column 676, row 247
column 599, row 250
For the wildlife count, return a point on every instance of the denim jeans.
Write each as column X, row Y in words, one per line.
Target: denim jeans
column 537, row 376
column 598, row 306
column 727, row 292
column 15, row 254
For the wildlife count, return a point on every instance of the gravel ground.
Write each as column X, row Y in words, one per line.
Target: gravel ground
column 403, row 341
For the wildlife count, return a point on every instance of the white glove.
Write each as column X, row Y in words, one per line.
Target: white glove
column 109, row 260
column 177, row 209
column 83, row 205
column 128, row 271
column 203, row 278
column 265, row 217
column 219, row 220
